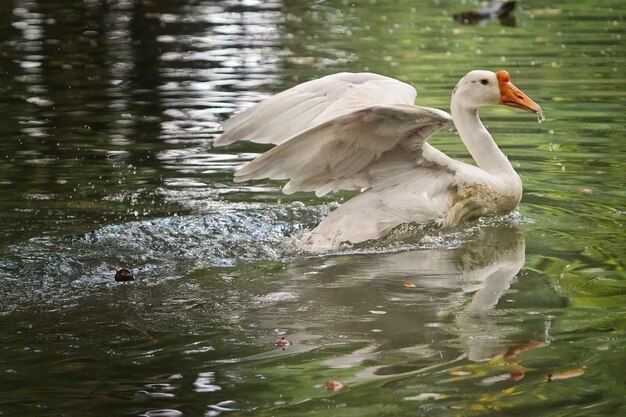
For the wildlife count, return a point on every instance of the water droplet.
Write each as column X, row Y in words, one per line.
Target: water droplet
column 540, row 118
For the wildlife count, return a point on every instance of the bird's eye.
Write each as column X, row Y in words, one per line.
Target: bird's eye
column 484, row 81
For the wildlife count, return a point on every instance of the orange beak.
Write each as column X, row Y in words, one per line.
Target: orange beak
column 514, row 97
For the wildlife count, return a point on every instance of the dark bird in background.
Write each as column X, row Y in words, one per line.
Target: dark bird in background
column 496, row 10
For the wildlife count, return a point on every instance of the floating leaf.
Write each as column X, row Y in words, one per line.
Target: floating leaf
column 282, row 342
column 573, row 373
column 512, row 351
column 516, row 374
column 334, row 386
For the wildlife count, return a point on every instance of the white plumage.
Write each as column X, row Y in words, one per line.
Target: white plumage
column 361, row 131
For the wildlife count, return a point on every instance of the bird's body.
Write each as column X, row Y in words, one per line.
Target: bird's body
column 361, row 131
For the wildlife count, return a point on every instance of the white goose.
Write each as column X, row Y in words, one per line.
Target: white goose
column 361, row 131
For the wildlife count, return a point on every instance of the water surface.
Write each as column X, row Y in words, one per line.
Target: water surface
column 109, row 110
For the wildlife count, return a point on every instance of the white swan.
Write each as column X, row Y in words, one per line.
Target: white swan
column 361, row 131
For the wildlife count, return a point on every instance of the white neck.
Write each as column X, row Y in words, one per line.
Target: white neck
column 479, row 142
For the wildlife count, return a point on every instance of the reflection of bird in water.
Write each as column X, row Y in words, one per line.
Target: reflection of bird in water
column 502, row 11
column 466, row 282
column 361, row 131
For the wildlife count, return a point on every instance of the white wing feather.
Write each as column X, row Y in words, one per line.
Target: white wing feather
column 352, row 131
column 312, row 103
column 338, row 153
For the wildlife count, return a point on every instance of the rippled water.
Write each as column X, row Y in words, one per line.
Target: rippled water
column 109, row 110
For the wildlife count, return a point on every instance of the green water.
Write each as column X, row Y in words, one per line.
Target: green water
column 108, row 113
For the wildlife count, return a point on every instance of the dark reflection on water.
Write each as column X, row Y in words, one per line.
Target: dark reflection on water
column 105, row 96
column 108, row 112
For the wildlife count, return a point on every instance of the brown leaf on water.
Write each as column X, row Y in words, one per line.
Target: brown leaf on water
column 573, row 373
column 282, row 342
column 512, row 351
column 334, row 386
column 409, row 284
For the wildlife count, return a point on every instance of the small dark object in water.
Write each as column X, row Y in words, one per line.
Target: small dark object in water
column 503, row 11
column 124, row 275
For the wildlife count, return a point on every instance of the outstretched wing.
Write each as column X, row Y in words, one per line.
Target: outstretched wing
column 340, row 153
column 312, row 103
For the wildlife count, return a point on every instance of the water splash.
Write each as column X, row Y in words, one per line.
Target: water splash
column 49, row 270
